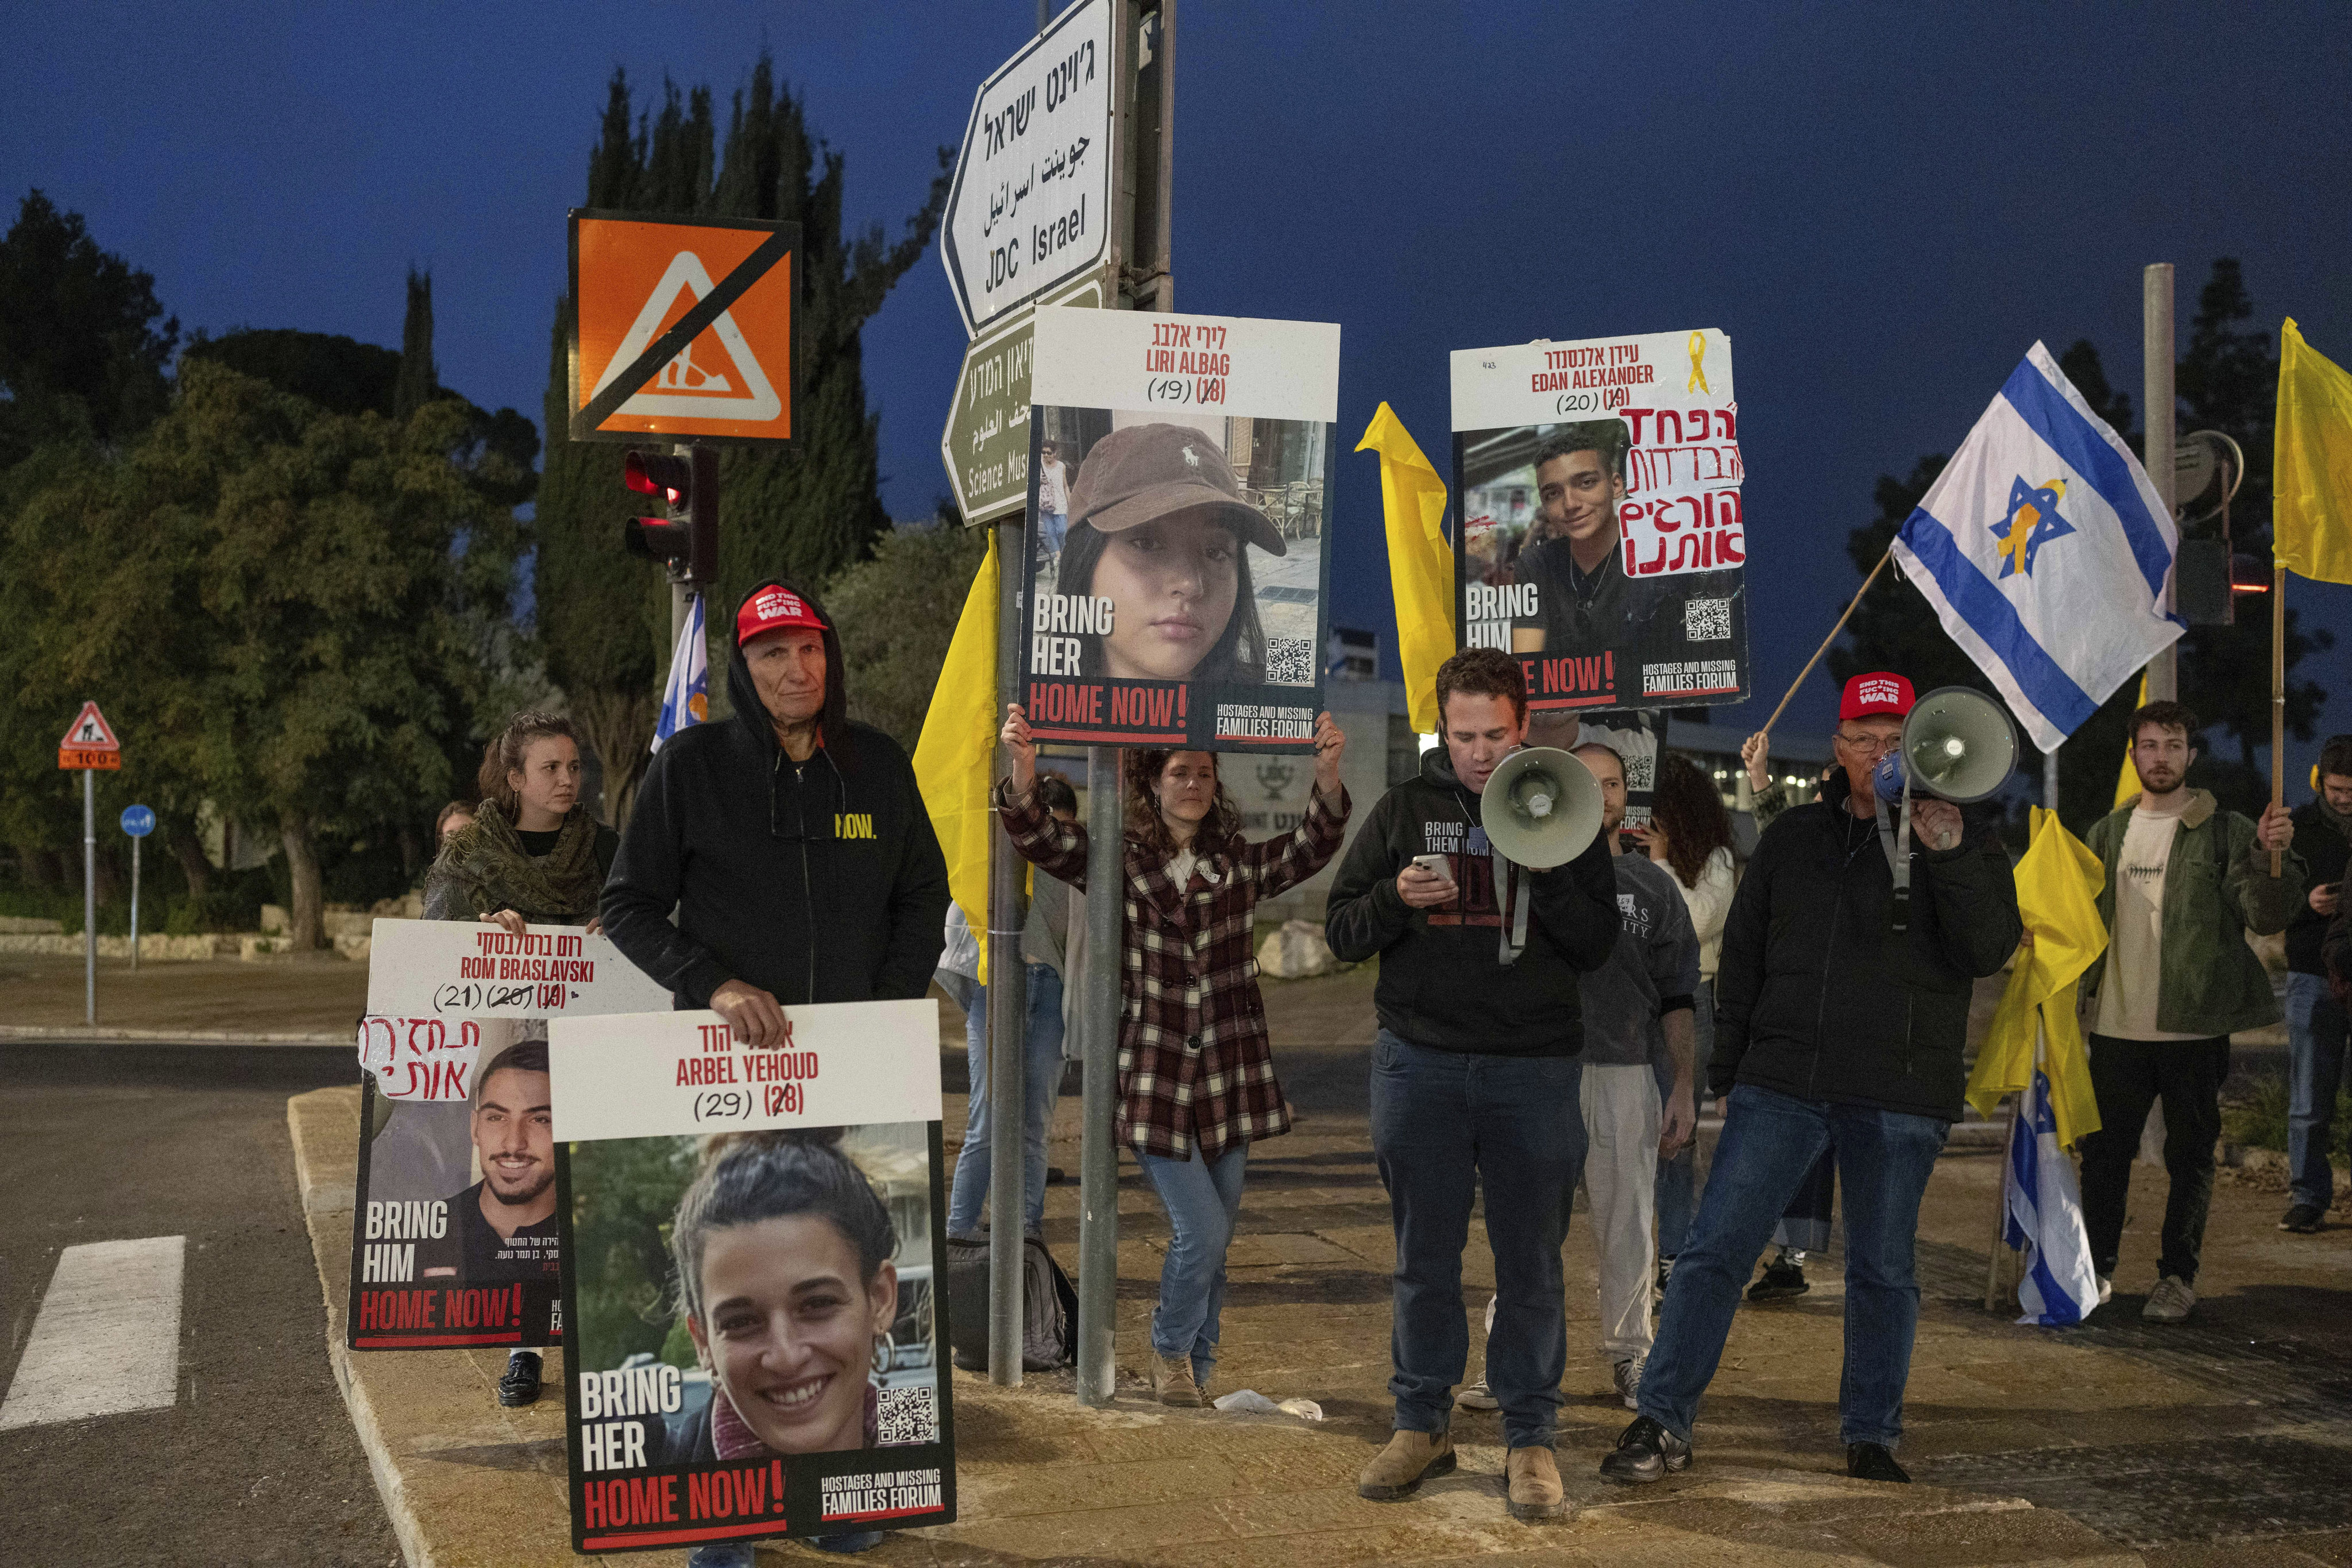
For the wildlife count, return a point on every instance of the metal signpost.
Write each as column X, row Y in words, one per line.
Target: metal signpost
column 89, row 745
column 138, row 821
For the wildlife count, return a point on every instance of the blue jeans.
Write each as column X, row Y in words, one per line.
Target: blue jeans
column 1052, row 527
column 1202, row 1197
column 1041, row 1083
column 1677, row 1187
column 1769, row 1142
column 2315, row 1031
column 1440, row 1121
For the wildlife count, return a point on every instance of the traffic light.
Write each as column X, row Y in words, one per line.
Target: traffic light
column 685, row 537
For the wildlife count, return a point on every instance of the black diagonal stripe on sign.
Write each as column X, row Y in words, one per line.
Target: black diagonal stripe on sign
column 671, row 344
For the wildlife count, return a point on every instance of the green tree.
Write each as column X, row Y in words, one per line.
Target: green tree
column 804, row 513
column 897, row 611
column 82, row 351
column 417, row 382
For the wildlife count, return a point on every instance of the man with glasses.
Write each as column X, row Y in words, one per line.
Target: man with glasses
column 1833, row 1031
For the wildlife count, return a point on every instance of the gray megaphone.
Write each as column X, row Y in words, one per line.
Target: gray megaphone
column 1958, row 744
column 1541, row 808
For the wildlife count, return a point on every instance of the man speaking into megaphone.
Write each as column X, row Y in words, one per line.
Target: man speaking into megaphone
column 1838, row 1029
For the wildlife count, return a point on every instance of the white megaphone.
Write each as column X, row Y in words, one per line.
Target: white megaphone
column 1541, row 808
column 1957, row 745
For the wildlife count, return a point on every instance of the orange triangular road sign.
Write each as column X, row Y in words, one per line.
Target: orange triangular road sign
column 686, row 386
column 90, row 732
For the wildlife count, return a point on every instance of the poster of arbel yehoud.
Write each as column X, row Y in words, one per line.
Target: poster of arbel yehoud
column 1602, row 535
column 453, row 1234
column 1179, row 468
column 750, row 1281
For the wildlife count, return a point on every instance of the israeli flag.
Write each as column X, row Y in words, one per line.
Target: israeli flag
column 2044, row 1210
column 2047, row 553
column 687, row 698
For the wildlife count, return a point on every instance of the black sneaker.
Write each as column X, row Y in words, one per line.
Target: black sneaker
column 1646, row 1452
column 2303, row 1219
column 1781, row 1279
column 521, row 1384
column 1872, row 1462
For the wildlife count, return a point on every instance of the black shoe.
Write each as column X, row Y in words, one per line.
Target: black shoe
column 1645, row 1451
column 521, row 1384
column 1872, row 1462
column 2303, row 1219
column 1781, row 1281
column 1055, row 1175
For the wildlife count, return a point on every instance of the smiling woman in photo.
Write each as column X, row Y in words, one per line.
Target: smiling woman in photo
column 1159, row 528
column 785, row 1279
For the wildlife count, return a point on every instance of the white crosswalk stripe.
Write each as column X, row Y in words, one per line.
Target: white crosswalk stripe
column 107, row 1336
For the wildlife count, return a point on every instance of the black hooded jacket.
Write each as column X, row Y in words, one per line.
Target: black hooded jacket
column 1443, row 982
column 817, row 881
column 1817, row 998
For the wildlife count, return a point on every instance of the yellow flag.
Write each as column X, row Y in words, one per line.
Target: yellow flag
column 955, row 758
column 2058, row 884
column 2311, row 463
column 1421, row 563
column 2127, row 781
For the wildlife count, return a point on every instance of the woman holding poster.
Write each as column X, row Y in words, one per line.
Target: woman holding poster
column 1196, row 1079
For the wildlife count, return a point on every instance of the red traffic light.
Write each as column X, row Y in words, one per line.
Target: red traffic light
column 658, row 474
column 659, row 538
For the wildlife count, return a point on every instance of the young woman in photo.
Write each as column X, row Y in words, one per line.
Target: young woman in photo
column 1196, row 1081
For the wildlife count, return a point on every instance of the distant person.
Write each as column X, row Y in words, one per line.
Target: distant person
column 502, row 1228
column 794, row 845
column 1053, row 498
column 457, row 814
column 2185, row 882
column 2316, row 1024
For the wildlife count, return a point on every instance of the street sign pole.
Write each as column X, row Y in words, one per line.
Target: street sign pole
column 135, row 845
column 89, row 895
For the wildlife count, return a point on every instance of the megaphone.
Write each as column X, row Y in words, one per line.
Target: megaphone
column 1541, row 808
column 1957, row 745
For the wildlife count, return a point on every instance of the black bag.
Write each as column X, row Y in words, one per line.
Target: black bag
column 1049, row 1326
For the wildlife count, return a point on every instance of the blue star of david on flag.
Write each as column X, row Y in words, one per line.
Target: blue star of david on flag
column 2032, row 522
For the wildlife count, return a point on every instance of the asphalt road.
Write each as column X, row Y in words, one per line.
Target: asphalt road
column 255, row 1462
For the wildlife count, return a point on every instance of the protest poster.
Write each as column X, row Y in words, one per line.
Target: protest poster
column 454, row 1232
column 1178, row 585
column 756, row 1337
column 1602, row 535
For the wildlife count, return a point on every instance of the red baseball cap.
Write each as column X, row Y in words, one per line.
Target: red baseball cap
column 778, row 610
column 1872, row 694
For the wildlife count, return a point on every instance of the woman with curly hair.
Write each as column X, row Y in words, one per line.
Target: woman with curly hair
column 1196, row 1079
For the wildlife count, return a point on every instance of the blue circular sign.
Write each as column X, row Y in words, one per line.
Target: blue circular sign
column 138, row 821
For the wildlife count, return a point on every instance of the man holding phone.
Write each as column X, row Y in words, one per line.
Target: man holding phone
column 1473, row 1073
column 2316, row 1024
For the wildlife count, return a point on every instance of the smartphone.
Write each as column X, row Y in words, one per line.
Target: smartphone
column 1439, row 865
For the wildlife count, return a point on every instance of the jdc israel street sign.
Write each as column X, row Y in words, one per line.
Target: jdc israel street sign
column 1030, row 207
column 89, row 741
column 986, row 443
column 682, row 329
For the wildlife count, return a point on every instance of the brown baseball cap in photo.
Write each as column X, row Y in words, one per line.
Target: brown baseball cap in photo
column 1149, row 471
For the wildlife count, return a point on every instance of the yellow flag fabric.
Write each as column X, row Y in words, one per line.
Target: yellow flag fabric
column 2127, row 781
column 2058, row 884
column 1421, row 563
column 955, row 758
column 2311, row 463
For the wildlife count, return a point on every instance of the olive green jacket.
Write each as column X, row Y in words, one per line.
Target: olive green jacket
column 2216, row 888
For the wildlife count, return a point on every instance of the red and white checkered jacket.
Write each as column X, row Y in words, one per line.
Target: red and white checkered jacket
column 1195, row 1063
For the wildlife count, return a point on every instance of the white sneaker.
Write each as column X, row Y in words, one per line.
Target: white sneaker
column 2106, row 1290
column 1478, row 1396
column 2170, row 1302
column 1628, row 1378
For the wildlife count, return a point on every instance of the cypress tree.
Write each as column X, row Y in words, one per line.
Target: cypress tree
column 417, row 379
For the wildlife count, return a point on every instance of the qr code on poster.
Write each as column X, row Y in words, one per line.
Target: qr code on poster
column 1290, row 661
column 906, row 1416
column 1706, row 620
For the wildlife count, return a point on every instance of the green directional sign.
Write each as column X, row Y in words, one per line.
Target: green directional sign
column 986, row 443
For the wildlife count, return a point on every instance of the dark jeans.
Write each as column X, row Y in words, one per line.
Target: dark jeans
column 1440, row 1121
column 1770, row 1143
column 2316, row 1029
column 2128, row 1076
column 1677, row 1189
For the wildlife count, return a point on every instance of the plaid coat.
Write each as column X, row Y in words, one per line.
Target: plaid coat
column 1194, row 1064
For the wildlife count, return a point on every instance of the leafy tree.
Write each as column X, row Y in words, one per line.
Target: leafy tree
column 416, row 382
column 898, row 612
column 807, row 512
column 81, row 349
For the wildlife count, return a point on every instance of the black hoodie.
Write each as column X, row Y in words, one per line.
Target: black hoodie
column 1443, row 982
column 817, row 881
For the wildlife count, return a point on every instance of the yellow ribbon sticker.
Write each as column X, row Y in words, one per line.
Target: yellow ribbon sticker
column 1697, row 352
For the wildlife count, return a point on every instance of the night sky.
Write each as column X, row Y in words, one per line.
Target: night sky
column 1884, row 208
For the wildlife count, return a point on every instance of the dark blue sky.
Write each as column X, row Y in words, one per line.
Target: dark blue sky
column 1883, row 206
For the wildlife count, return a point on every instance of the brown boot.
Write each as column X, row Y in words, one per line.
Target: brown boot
column 1411, row 1458
column 1533, row 1478
column 1172, row 1383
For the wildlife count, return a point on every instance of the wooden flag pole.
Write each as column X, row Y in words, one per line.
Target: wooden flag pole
column 1858, row 593
column 2278, row 696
